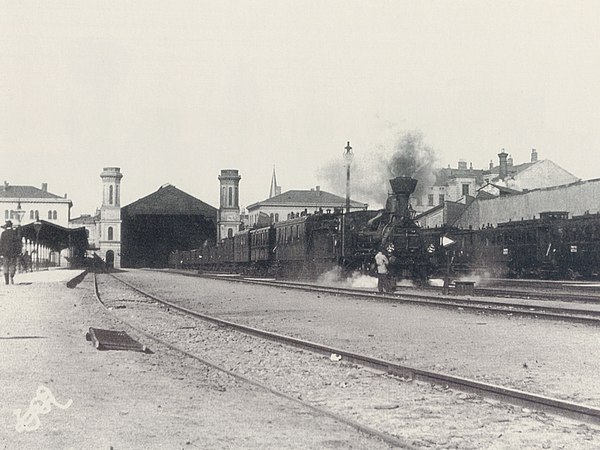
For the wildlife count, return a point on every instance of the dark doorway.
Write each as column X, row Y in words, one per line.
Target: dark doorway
column 110, row 259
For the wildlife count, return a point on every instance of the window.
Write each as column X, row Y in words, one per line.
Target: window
column 430, row 200
column 230, row 203
column 110, row 233
column 465, row 189
column 229, row 232
column 54, row 215
column 49, row 215
column 276, row 217
column 37, row 215
column 110, row 195
column 6, row 214
column 441, row 199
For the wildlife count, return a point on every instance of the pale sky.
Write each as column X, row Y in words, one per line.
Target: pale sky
column 174, row 91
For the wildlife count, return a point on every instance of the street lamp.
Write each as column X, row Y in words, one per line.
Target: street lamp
column 348, row 156
column 20, row 212
column 37, row 226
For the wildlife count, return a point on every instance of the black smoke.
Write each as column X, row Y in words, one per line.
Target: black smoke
column 372, row 169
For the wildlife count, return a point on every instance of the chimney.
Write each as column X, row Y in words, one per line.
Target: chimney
column 503, row 164
column 318, row 188
column 534, row 157
column 402, row 187
column 509, row 161
column 462, row 165
column 491, row 164
column 470, row 166
column 5, row 186
column 45, row 187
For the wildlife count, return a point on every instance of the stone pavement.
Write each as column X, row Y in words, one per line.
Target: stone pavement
column 61, row 393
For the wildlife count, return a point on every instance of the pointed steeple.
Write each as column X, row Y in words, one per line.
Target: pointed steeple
column 275, row 190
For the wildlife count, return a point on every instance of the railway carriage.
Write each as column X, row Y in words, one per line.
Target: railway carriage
column 262, row 243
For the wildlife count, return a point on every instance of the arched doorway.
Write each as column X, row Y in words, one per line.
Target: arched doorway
column 110, row 259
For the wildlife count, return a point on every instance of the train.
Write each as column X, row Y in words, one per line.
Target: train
column 312, row 244
column 553, row 246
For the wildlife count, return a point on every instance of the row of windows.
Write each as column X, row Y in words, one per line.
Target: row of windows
column 430, row 198
column 287, row 234
column 33, row 214
column 230, row 196
column 441, row 198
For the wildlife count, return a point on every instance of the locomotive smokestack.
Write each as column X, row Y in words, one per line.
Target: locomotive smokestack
column 402, row 187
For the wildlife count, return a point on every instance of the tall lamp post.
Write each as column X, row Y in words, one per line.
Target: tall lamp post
column 20, row 212
column 37, row 226
column 348, row 156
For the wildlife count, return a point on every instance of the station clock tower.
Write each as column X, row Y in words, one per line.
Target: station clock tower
column 228, row 220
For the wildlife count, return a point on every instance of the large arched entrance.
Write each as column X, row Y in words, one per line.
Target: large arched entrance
column 110, row 259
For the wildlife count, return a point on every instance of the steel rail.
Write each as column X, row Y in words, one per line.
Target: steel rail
column 513, row 396
column 387, row 438
column 545, row 312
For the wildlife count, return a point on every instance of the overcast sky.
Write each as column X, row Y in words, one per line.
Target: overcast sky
column 174, row 91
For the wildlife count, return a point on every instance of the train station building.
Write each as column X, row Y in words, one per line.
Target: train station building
column 294, row 203
column 166, row 220
column 43, row 222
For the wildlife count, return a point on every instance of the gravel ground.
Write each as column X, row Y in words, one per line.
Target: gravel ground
column 129, row 400
column 426, row 416
column 552, row 358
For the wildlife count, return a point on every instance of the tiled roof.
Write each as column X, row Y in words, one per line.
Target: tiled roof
column 317, row 198
column 169, row 200
column 85, row 219
column 514, row 169
column 24, row 192
column 443, row 175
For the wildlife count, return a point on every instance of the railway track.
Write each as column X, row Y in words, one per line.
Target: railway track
column 385, row 437
column 513, row 396
column 526, row 307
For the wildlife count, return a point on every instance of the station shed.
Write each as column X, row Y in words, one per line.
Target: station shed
column 50, row 244
column 162, row 222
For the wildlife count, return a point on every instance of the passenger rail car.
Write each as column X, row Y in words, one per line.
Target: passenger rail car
column 553, row 246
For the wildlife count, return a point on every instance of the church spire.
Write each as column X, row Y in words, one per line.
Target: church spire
column 275, row 190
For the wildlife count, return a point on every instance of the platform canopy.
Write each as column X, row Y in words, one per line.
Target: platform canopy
column 54, row 236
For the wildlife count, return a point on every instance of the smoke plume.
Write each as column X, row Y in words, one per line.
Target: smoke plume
column 372, row 169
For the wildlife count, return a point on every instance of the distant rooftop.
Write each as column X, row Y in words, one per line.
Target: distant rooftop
column 169, row 200
column 22, row 192
column 313, row 197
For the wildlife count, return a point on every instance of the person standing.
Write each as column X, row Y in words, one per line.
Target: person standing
column 382, row 262
column 10, row 249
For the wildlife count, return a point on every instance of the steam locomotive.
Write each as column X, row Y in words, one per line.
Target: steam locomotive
column 312, row 244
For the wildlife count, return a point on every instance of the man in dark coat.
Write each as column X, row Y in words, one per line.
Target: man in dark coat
column 10, row 249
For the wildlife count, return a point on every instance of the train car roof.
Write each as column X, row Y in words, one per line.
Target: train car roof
column 302, row 219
